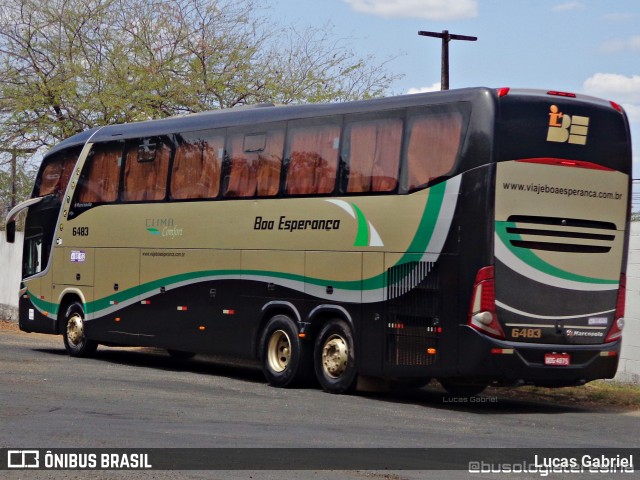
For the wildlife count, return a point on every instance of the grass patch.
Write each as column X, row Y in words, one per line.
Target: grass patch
column 600, row 393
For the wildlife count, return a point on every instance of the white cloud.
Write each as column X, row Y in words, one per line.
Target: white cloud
column 631, row 44
column 429, row 9
column 620, row 88
column 620, row 17
column 433, row 88
column 564, row 7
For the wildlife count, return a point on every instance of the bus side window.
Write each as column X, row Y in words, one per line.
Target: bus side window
column 372, row 151
column 313, row 159
column 146, row 169
column 100, row 175
column 56, row 173
column 197, row 164
column 434, row 141
column 255, row 162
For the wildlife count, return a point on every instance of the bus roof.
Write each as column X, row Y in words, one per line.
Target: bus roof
column 239, row 116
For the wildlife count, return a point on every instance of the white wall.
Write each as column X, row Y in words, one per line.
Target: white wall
column 628, row 371
column 10, row 258
column 629, row 367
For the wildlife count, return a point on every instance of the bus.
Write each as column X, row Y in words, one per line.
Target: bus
column 475, row 236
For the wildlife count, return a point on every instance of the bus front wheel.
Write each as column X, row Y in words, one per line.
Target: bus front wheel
column 334, row 360
column 285, row 356
column 75, row 340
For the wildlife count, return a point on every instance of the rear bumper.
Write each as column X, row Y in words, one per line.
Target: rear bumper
column 523, row 363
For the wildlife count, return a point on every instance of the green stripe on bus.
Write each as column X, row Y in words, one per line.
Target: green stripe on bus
column 416, row 250
column 531, row 259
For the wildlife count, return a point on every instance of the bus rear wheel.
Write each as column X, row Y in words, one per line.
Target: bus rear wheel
column 334, row 359
column 285, row 356
column 75, row 340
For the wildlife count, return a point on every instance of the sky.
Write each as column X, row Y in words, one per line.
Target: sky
column 581, row 46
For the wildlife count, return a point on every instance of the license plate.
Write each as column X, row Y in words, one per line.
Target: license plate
column 559, row 359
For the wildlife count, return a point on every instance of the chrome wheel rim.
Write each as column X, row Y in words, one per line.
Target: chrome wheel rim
column 335, row 355
column 75, row 330
column 279, row 351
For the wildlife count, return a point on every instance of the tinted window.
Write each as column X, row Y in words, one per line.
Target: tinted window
column 312, row 155
column 101, row 174
column 197, row 164
column 371, row 152
column 146, row 169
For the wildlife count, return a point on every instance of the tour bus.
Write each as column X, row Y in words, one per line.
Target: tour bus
column 475, row 236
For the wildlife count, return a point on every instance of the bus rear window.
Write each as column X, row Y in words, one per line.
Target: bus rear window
column 432, row 148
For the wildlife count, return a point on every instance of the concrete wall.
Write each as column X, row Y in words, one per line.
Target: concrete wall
column 628, row 371
column 629, row 367
column 10, row 259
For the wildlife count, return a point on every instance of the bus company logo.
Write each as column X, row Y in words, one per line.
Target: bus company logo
column 565, row 128
column 163, row 227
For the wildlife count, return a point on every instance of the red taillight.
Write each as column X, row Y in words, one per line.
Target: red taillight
column 615, row 332
column 617, row 106
column 502, row 92
column 561, row 94
column 482, row 311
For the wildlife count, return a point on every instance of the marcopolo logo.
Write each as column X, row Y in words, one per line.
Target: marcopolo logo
column 565, row 128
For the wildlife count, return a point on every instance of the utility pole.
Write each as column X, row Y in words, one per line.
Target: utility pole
column 14, row 173
column 446, row 38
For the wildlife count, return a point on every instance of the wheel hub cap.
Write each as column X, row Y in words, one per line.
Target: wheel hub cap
column 335, row 355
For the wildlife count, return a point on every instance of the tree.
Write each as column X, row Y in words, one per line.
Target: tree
column 68, row 65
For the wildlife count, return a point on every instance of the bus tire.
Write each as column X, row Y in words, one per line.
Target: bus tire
column 334, row 359
column 75, row 341
column 460, row 389
column 285, row 356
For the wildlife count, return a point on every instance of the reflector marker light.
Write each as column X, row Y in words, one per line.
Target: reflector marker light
column 302, row 335
column 41, row 297
column 228, row 312
column 502, row 351
column 202, row 328
column 431, row 351
column 45, row 314
column 609, row 354
column 146, row 302
column 113, row 302
column 502, row 92
column 182, row 308
column 117, row 319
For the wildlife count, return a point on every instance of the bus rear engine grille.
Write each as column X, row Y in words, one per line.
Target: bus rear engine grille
column 592, row 236
column 412, row 341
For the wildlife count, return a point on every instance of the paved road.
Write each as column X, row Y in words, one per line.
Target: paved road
column 140, row 398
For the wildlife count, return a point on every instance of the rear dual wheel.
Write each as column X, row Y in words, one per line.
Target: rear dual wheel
column 286, row 358
column 334, row 359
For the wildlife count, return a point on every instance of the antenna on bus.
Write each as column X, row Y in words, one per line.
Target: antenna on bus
column 446, row 38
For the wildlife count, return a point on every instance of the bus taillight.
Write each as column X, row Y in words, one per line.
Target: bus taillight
column 482, row 312
column 618, row 320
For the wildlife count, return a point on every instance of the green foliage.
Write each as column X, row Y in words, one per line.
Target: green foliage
column 69, row 65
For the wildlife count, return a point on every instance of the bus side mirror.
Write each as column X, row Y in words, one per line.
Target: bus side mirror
column 11, row 231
